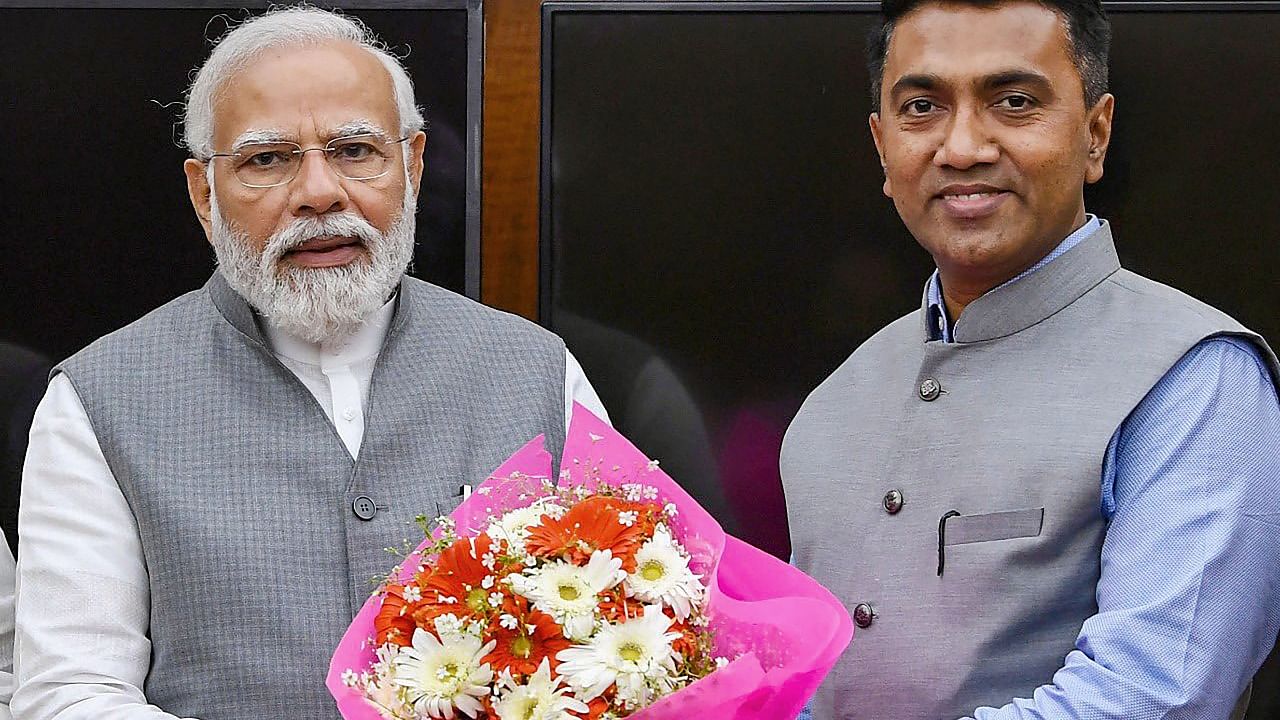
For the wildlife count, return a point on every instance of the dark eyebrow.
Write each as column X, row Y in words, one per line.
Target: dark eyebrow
column 930, row 82
column 1017, row 77
column 915, row 82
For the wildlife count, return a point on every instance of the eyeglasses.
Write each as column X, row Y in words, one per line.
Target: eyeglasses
column 268, row 164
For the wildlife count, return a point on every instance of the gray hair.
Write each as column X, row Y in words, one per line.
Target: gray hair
column 290, row 26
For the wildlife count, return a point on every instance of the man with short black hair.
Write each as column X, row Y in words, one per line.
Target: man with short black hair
column 1052, row 492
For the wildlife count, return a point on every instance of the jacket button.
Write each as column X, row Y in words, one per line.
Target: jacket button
column 364, row 508
column 863, row 615
column 930, row 389
column 893, row 501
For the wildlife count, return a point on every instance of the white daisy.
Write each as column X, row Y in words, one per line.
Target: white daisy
column 663, row 576
column 636, row 655
column 541, row 699
column 438, row 677
column 569, row 593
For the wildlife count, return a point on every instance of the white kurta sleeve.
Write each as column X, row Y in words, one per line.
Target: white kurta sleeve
column 81, row 649
column 7, row 580
column 578, row 389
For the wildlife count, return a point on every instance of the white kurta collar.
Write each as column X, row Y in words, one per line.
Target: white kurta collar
column 365, row 342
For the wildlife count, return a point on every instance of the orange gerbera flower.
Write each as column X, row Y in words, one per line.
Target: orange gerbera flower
column 687, row 643
column 591, row 525
column 455, row 583
column 615, row 606
column 521, row 649
column 393, row 622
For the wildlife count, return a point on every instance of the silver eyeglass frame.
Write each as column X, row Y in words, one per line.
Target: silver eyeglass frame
column 300, row 151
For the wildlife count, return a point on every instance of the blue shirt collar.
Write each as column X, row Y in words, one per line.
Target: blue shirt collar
column 940, row 325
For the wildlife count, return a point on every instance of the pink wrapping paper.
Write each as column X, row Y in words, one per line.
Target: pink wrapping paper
column 785, row 629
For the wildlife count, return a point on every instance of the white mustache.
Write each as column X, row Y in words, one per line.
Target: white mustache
column 309, row 228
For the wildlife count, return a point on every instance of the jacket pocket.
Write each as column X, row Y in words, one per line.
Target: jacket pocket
column 986, row 527
column 448, row 505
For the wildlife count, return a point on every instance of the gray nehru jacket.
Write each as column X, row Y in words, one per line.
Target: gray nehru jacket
column 1008, row 426
column 245, row 496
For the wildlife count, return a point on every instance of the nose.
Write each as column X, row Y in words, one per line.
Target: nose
column 317, row 189
column 967, row 142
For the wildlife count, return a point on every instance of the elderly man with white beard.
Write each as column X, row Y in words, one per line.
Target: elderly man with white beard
column 208, row 491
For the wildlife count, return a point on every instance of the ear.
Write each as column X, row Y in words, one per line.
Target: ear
column 1099, row 136
column 199, row 191
column 874, row 122
column 416, row 149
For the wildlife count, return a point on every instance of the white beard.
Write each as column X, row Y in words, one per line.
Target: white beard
column 317, row 304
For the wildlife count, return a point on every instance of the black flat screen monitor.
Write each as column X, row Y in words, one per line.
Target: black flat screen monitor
column 715, row 240
column 98, row 228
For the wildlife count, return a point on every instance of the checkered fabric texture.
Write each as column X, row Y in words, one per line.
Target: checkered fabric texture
column 243, row 491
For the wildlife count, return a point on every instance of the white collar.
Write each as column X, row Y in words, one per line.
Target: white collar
column 362, row 344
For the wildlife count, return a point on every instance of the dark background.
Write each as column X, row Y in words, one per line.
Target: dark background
column 98, row 227
column 716, row 242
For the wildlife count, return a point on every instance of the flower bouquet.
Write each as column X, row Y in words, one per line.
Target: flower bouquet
column 609, row 594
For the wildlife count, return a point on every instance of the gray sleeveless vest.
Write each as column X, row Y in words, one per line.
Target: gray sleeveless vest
column 1007, row 426
column 258, row 551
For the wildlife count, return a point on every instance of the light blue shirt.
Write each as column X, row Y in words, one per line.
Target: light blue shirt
column 1189, row 595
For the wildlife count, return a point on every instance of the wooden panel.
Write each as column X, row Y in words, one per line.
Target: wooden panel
column 509, row 169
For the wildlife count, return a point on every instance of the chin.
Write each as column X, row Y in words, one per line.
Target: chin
column 961, row 243
column 977, row 252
